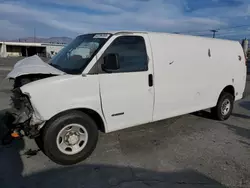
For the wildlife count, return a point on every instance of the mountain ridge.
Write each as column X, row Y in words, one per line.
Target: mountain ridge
column 58, row 40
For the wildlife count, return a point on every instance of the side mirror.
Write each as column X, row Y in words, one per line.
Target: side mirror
column 111, row 63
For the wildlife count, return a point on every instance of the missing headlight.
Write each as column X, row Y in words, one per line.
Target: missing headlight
column 24, row 115
column 21, row 107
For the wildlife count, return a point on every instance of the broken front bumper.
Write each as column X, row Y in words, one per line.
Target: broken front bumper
column 25, row 120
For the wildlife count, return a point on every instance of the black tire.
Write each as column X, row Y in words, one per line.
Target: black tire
column 39, row 143
column 52, row 129
column 217, row 112
column 39, row 140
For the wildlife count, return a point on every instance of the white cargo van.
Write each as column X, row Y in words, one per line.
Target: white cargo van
column 111, row 81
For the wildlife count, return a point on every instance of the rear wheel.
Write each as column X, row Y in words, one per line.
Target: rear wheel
column 224, row 107
column 70, row 138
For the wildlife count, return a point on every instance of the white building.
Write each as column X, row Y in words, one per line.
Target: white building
column 15, row 49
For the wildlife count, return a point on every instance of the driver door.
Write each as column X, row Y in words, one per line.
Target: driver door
column 127, row 94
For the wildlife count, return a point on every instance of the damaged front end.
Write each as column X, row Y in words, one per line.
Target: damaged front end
column 24, row 119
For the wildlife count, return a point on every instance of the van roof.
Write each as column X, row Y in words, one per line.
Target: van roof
column 151, row 32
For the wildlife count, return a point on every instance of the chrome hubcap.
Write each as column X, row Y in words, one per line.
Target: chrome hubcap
column 72, row 139
column 225, row 108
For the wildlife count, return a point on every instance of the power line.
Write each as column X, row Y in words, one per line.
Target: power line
column 222, row 35
column 34, row 34
column 232, row 33
column 219, row 29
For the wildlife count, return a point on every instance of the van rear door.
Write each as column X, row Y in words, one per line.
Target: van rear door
column 127, row 94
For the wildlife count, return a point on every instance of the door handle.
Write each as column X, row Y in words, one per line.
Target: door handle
column 150, row 80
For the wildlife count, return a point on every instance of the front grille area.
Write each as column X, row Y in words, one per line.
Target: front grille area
column 17, row 99
column 21, row 107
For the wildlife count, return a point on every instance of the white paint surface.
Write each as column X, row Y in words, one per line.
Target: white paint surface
column 53, row 95
column 186, row 79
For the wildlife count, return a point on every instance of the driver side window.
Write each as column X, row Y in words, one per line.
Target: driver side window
column 132, row 53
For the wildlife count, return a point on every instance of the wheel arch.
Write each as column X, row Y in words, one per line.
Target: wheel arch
column 217, row 110
column 229, row 89
column 90, row 112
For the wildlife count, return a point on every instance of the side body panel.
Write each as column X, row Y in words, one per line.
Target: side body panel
column 191, row 72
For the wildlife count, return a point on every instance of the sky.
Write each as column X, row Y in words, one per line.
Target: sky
column 51, row 18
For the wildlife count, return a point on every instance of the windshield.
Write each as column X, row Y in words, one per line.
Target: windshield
column 74, row 58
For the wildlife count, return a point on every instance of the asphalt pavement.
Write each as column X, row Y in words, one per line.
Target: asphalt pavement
column 190, row 151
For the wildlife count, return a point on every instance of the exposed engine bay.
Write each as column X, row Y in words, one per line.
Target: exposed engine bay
column 25, row 79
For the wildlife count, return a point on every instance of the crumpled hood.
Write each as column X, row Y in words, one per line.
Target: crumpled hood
column 33, row 65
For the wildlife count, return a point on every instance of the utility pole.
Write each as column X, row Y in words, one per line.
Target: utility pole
column 214, row 32
column 34, row 34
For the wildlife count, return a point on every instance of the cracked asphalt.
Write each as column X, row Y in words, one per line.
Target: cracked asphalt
column 190, row 151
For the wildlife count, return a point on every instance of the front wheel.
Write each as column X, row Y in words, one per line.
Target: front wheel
column 70, row 138
column 224, row 107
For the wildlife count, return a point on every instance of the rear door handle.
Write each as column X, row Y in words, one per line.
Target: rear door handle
column 150, row 80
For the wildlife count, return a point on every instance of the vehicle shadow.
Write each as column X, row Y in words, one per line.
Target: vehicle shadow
column 243, row 132
column 245, row 143
column 11, row 165
column 107, row 176
column 3, row 128
column 208, row 115
column 241, row 116
column 203, row 114
column 245, row 104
